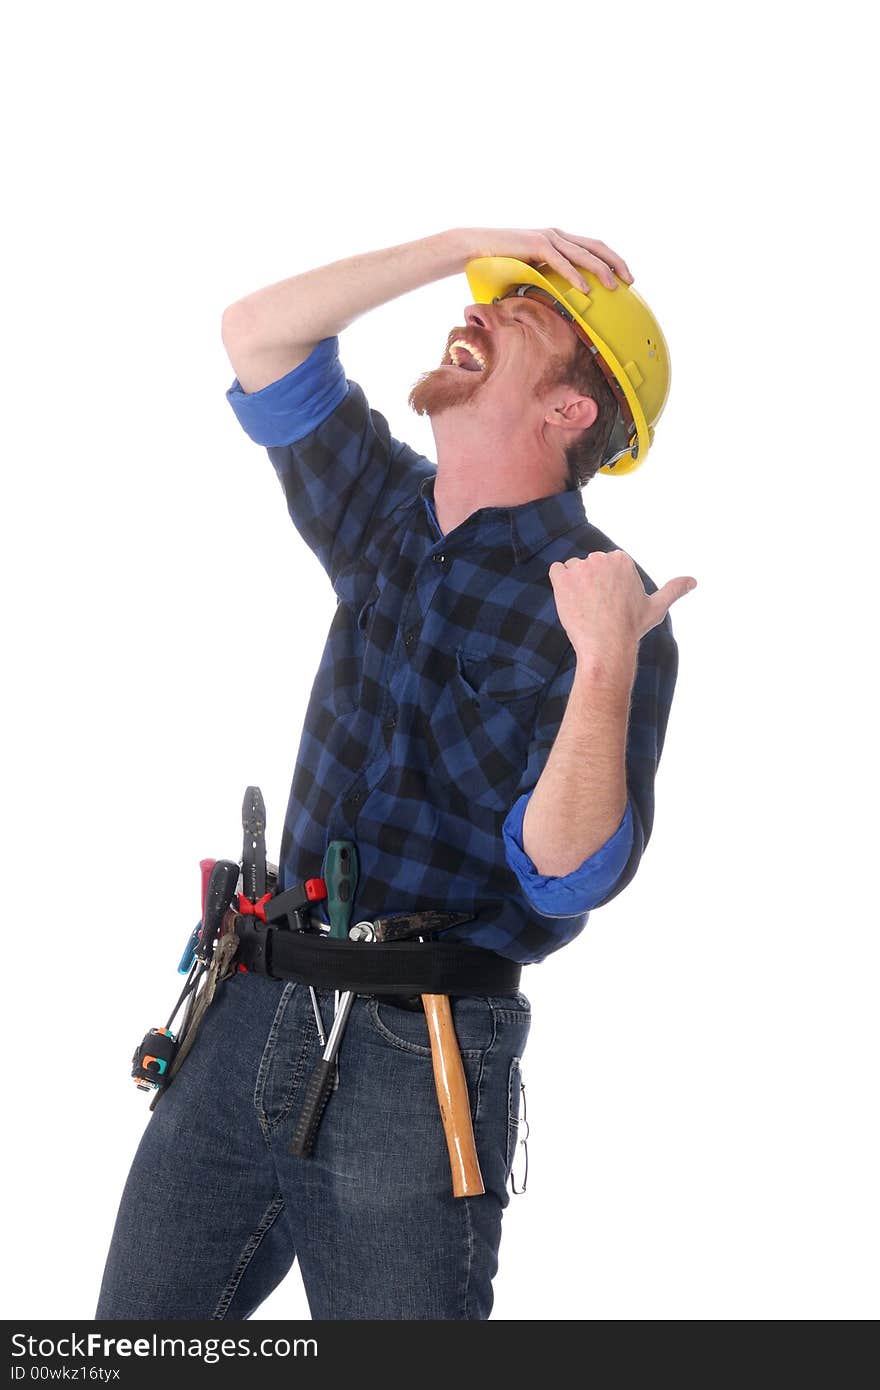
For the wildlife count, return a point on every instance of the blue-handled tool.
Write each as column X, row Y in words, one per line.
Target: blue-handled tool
column 189, row 954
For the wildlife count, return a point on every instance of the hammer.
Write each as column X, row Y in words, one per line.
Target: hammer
column 452, row 1096
column 449, row 1077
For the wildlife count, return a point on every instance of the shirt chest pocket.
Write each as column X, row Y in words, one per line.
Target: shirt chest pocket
column 358, row 593
column 481, row 724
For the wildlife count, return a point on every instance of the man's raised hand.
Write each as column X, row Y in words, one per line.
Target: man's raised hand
column 564, row 251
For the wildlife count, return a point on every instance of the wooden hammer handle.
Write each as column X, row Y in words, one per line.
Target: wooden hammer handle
column 452, row 1094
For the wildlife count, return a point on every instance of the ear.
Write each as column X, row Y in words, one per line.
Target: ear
column 570, row 411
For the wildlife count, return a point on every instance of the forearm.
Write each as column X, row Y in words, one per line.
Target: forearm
column 580, row 797
column 271, row 331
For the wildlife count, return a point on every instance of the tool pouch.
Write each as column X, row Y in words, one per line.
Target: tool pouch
column 220, row 968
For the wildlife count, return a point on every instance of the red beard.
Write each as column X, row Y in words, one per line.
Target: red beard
column 442, row 389
column 448, row 386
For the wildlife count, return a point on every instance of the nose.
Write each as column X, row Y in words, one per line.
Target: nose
column 477, row 316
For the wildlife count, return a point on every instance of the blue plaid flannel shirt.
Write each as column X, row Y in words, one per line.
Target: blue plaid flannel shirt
column 444, row 678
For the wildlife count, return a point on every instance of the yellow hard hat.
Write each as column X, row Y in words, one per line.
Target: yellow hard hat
column 625, row 338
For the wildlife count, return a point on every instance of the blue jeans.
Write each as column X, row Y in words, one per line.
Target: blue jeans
column 215, row 1209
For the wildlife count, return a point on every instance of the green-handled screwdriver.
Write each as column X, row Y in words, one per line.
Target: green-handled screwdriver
column 340, row 873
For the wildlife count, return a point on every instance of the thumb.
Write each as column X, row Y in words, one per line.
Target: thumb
column 664, row 598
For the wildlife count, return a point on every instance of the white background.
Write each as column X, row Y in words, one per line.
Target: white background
column 702, row 1069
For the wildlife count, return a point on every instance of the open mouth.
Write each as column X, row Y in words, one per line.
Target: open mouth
column 465, row 356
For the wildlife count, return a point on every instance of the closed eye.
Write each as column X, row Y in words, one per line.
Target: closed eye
column 531, row 321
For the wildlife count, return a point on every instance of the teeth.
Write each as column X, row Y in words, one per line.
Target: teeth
column 460, row 345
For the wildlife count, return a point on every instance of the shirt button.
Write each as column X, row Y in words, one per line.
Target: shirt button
column 440, row 560
column 391, row 721
column 410, row 636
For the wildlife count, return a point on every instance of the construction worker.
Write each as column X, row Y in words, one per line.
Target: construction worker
column 485, row 725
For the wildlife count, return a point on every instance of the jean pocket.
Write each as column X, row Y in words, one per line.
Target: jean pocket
column 517, row 1127
column 514, row 1082
column 512, row 1008
column 472, row 1020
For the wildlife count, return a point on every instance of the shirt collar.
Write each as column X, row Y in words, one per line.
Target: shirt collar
column 530, row 526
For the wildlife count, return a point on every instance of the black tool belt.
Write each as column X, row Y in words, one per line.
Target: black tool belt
column 392, row 968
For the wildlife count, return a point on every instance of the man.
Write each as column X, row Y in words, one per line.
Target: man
column 485, row 727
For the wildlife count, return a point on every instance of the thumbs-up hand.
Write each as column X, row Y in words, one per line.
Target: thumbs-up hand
column 603, row 607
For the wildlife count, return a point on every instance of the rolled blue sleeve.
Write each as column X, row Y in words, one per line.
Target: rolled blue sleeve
column 573, row 894
column 290, row 408
column 341, row 470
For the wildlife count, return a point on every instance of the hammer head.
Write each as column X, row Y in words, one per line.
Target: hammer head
column 408, row 925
